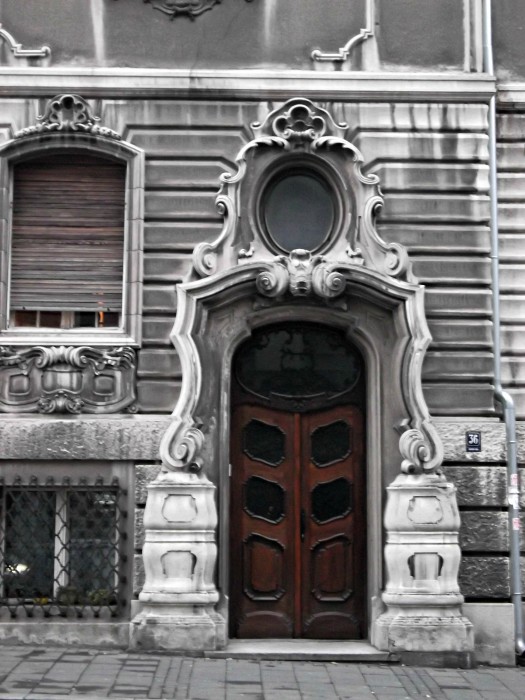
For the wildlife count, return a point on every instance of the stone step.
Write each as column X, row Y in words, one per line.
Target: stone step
column 302, row 650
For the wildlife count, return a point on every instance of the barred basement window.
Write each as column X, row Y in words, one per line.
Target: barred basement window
column 62, row 550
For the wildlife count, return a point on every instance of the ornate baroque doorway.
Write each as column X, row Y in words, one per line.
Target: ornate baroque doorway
column 298, row 534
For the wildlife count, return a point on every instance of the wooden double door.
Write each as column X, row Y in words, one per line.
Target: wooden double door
column 298, row 534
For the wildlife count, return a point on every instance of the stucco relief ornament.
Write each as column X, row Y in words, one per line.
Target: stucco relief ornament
column 190, row 8
column 302, row 274
column 67, row 379
column 65, row 113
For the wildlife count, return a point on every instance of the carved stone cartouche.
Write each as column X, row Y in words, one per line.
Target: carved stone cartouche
column 67, row 379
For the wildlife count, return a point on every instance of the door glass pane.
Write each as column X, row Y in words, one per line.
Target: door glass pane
column 263, row 442
column 330, row 443
column 298, row 361
column 331, row 500
column 264, row 499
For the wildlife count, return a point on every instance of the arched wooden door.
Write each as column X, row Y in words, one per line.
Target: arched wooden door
column 298, row 533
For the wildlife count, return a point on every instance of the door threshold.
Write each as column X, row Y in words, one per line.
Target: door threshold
column 302, row 650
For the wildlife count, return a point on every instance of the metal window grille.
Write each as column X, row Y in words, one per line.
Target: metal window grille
column 62, row 548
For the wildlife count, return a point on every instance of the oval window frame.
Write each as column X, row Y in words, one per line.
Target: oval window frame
column 320, row 171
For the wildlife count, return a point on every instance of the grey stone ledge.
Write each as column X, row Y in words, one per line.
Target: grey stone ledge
column 107, row 438
column 136, row 82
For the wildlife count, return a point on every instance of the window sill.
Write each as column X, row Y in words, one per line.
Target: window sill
column 94, row 337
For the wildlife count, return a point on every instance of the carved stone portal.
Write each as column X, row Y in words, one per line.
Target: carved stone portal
column 352, row 280
column 67, row 380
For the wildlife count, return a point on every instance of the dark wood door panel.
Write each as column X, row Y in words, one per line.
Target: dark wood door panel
column 262, row 558
column 333, row 498
column 297, row 548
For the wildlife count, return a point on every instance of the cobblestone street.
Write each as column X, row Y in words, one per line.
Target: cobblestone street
column 37, row 673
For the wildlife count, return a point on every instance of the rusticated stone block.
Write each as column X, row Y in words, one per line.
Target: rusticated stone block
column 131, row 438
column 452, row 434
column 156, row 330
column 139, row 575
column 479, row 486
column 160, row 298
column 483, row 531
column 144, row 474
column 139, row 528
column 159, row 363
column 482, row 486
column 484, row 577
column 157, row 395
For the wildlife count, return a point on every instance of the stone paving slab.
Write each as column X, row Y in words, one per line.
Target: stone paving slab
column 33, row 673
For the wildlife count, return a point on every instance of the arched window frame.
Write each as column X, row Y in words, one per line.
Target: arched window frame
column 19, row 150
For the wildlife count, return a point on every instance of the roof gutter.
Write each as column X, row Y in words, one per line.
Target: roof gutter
column 502, row 396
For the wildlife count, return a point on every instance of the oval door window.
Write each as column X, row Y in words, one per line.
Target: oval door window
column 298, row 210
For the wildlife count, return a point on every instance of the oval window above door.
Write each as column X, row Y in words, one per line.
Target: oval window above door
column 298, row 210
column 299, row 361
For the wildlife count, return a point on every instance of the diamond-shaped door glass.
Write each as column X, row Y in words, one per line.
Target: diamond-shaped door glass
column 333, row 499
column 331, row 443
column 263, row 442
column 264, row 499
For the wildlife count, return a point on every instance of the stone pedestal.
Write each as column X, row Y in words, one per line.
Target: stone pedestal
column 179, row 553
column 422, row 555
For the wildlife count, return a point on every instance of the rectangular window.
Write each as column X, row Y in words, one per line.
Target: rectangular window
column 67, row 242
column 62, row 550
column 72, row 241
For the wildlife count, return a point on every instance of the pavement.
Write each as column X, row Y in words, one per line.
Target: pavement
column 39, row 673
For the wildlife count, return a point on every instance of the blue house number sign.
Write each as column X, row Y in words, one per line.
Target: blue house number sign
column 473, row 441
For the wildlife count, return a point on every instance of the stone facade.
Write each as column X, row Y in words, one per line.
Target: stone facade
column 180, row 108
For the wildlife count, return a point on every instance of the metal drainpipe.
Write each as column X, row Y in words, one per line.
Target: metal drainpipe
column 503, row 397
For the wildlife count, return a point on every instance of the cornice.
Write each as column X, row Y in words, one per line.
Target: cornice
column 249, row 84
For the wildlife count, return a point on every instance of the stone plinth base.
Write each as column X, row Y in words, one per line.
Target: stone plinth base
column 194, row 630
column 404, row 632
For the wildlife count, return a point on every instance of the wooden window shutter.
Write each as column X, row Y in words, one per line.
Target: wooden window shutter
column 67, row 245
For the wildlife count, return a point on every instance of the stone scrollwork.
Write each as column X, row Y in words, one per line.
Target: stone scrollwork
column 18, row 50
column 300, row 128
column 344, row 52
column 68, row 112
column 181, row 447
column 415, row 451
column 302, row 274
column 64, row 379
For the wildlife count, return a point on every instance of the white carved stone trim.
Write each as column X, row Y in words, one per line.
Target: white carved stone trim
column 422, row 557
column 68, row 112
column 18, row 50
column 357, row 283
column 299, row 127
column 67, row 379
column 72, row 132
column 344, row 52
